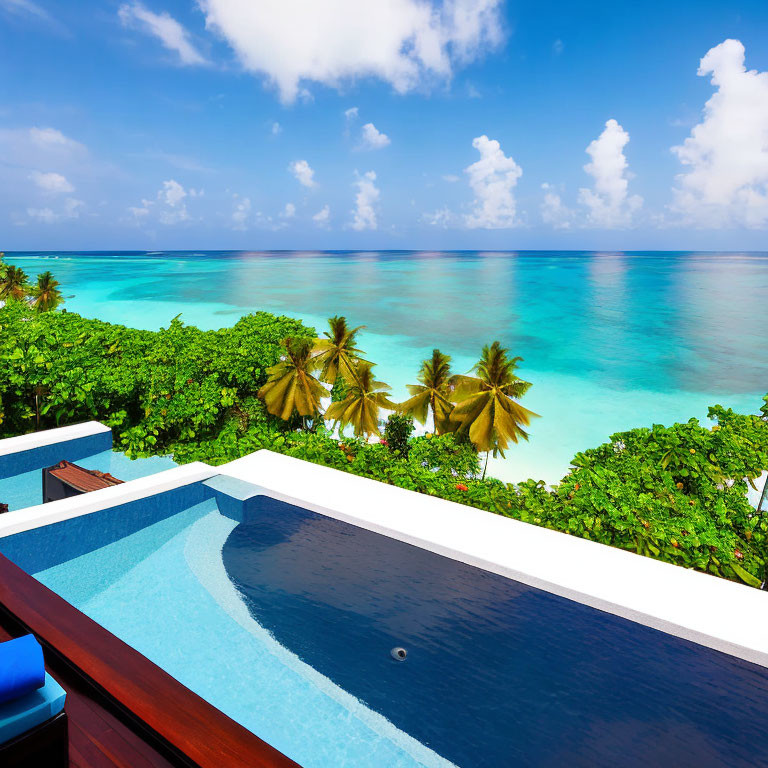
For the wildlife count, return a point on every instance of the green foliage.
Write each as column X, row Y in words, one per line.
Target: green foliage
column 45, row 294
column 397, row 430
column 291, row 388
column 432, row 393
column 487, row 409
column 338, row 390
column 337, row 355
column 155, row 389
column 365, row 398
column 674, row 493
column 13, row 284
column 446, row 454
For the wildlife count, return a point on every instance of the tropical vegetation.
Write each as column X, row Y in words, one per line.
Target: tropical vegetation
column 14, row 286
column 675, row 493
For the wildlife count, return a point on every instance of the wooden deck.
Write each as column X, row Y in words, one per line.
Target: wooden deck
column 97, row 739
column 123, row 709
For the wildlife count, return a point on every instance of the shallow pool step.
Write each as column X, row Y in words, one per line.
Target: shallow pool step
column 237, row 499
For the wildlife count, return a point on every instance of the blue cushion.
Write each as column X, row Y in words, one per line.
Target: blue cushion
column 22, row 669
column 33, row 709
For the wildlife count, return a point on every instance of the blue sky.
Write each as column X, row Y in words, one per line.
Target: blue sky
column 373, row 124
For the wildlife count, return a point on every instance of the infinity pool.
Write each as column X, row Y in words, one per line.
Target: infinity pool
column 286, row 623
column 26, row 489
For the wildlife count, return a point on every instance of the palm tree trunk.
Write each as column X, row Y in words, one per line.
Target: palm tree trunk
column 434, row 414
column 485, row 467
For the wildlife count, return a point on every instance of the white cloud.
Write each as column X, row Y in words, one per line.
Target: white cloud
column 289, row 211
column 364, row 214
column 373, row 138
column 492, row 178
column 553, row 211
column 351, row 113
column 443, row 217
column 70, row 210
column 558, row 47
column 303, row 172
column 240, row 214
column 51, row 138
column 402, row 42
column 165, row 28
column 276, row 128
column 609, row 206
column 172, row 193
column 322, row 217
column 141, row 212
column 51, row 182
column 169, row 206
column 726, row 155
column 25, row 7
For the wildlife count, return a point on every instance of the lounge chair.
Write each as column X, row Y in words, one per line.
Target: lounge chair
column 66, row 479
column 33, row 724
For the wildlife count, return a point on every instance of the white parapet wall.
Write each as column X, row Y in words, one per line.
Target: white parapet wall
column 75, row 506
column 23, row 443
column 713, row 612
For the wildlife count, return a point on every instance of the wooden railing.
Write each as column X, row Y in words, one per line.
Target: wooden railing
column 186, row 726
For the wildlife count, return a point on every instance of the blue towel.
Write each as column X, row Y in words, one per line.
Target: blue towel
column 22, row 669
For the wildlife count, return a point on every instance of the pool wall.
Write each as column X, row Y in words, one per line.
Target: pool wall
column 38, row 549
column 141, row 496
column 40, row 449
column 711, row 611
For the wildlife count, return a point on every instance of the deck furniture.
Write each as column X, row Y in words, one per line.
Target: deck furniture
column 66, row 479
column 33, row 724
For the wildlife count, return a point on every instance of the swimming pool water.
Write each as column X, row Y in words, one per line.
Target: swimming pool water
column 497, row 673
column 26, row 489
column 286, row 624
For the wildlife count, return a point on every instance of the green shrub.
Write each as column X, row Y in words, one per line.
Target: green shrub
column 397, row 431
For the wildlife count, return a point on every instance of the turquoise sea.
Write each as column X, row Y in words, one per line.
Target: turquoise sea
column 609, row 340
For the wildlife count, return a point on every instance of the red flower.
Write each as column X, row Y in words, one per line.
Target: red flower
column 461, row 487
column 383, row 442
column 738, row 554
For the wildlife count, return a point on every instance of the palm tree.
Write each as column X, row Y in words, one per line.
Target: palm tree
column 13, row 284
column 360, row 408
column 433, row 393
column 487, row 409
column 337, row 354
column 291, row 387
column 46, row 294
column 3, row 266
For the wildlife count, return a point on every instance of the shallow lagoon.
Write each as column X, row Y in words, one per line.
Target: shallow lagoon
column 609, row 340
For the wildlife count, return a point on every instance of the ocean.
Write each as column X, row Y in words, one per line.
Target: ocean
column 610, row 341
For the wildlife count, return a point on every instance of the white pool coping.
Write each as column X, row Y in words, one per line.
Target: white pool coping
column 10, row 445
column 707, row 610
column 75, row 506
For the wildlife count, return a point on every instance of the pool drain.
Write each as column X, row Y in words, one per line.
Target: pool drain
column 398, row 654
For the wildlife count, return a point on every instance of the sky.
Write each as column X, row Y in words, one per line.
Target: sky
column 383, row 124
